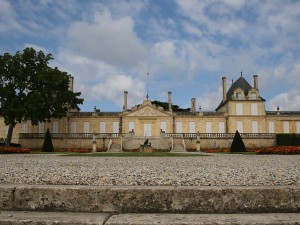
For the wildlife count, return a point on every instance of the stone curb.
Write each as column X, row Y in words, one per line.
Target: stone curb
column 72, row 218
column 150, row 199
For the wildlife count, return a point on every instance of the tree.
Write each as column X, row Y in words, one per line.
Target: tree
column 237, row 144
column 47, row 145
column 31, row 90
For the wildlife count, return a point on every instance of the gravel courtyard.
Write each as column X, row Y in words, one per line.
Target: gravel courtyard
column 214, row 170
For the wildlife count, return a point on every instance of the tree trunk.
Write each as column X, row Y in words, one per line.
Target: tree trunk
column 9, row 133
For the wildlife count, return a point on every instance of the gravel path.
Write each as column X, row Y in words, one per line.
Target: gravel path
column 216, row 170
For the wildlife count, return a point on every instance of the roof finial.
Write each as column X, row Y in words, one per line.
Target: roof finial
column 241, row 73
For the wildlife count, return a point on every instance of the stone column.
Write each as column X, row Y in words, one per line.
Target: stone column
column 71, row 83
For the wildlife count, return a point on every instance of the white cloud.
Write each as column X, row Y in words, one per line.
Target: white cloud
column 108, row 40
column 8, row 18
column 287, row 101
column 112, row 88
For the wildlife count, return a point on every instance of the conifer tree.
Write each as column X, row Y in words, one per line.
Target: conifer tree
column 237, row 144
column 47, row 145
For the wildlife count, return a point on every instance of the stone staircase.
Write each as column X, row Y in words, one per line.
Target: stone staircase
column 147, row 205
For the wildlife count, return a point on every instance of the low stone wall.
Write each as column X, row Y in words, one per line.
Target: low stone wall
column 159, row 143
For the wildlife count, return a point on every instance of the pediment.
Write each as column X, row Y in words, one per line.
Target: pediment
column 147, row 112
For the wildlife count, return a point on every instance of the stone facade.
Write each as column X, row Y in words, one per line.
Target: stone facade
column 241, row 108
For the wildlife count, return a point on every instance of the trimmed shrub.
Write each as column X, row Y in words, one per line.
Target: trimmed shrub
column 237, row 143
column 47, row 145
column 288, row 139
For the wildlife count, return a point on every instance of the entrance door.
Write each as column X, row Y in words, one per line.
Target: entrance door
column 147, row 130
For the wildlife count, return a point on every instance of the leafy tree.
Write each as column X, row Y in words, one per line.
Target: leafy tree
column 237, row 144
column 47, row 145
column 175, row 108
column 31, row 90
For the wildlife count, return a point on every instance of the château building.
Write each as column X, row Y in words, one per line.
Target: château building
column 241, row 108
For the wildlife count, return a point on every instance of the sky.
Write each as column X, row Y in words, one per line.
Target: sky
column 186, row 47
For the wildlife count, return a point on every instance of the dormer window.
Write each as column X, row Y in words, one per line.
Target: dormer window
column 238, row 95
column 253, row 95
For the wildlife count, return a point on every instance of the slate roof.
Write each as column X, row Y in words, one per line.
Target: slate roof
column 239, row 83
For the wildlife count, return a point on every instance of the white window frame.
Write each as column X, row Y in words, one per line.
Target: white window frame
column 131, row 126
column 239, row 109
column 102, row 127
column 24, row 127
column 221, row 127
column 55, row 127
column 86, row 127
column 115, row 127
column 147, row 129
column 41, row 127
column 208, row 127
column 163, row 126
column 255, row 129
column 271, row 127
column 73, row 127
column 286, row 127
column 192, row 127
column 240, row 126
column 178, row 127
column 254, row 109
column 298, row 127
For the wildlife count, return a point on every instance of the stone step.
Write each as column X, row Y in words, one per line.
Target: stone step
column 150, row 199
column 72, row 218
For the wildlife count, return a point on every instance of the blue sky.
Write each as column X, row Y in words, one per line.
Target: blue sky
column 185, row 45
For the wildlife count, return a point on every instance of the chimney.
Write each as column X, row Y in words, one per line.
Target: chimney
column 255, row 78
column 125, row 101
column 193, row 105
column 71, row 83
column 170, row 100
column 224, row 88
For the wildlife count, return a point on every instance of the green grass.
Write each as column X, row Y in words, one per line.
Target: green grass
column 133, row 154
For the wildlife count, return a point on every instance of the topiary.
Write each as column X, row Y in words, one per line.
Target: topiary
column 237, row 144
column 47, row 145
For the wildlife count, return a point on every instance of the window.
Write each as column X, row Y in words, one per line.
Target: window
column 298, row 127
column 55, row 127
column 254, row 109
column 24, row 128
column 271, row 127
column 178, row 127
column 102, row 127
column 147, row 130
column 208, row 127
column 253, row 95
column 73, row 127
column 41, row 127
column 286, row 127
column 131, row 126
column 6, row 130
column 163, row 126
column 86, row 127
column 115, row 127
column 238, row 95
column 239, row 109
column 240, row 126
column 254, row 127
column 192, row 127
column 221, row 127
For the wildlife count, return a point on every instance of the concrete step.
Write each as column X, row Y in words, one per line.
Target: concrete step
column 72, row 218
column 150, row 199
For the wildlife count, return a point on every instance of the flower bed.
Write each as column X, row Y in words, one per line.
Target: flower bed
column 12, row 150
column 285, row 150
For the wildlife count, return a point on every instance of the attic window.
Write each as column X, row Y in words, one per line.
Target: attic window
column 238, row 95
column 253, row 95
